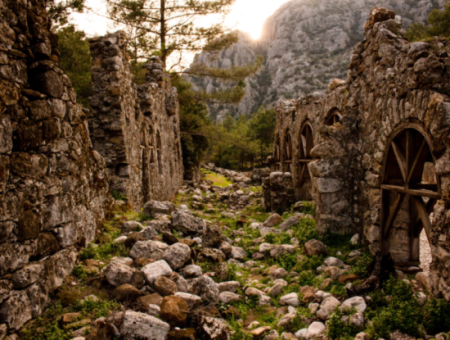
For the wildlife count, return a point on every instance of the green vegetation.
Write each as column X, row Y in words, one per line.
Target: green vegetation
column 244, row 141
column 118, row 196
column 217, row 179
column 438, row 25
column 75, row 60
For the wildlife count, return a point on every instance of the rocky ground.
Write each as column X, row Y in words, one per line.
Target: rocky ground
column 213, row 265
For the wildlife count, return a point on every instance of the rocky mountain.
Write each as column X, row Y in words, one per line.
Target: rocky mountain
column 305, row 43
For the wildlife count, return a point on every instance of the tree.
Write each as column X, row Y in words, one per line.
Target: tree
column 167, row 26
column 59, row 11
column 438, row 25
column 75, row 60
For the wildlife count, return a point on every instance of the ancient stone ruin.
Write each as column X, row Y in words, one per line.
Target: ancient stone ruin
column 135, row 128
column 54, row 187
column 373, row 152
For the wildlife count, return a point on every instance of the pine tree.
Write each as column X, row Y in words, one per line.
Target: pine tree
column 59, row 11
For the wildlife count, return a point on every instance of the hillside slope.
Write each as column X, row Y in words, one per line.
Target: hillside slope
column 306, row 43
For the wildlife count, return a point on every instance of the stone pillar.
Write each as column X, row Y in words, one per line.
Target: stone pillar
column 278, row 192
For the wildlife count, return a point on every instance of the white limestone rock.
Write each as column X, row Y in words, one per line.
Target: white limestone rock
column 177, row 255
column 148, row 249
column 154, row 270
column 290, row 299
column 144, row 327
column 117, row 273
column 327, row 307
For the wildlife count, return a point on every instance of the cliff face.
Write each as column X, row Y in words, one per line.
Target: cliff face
column 305, row 43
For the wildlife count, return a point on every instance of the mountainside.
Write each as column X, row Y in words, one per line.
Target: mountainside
column 306, row 43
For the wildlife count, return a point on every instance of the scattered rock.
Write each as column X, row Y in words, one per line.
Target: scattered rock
column 174, row 310
column 191, row 271
column 238, row 253
column 165, row 287
column 273, row 220
column 154, row 270
column 182, row 334
column 290, row 222
column 229, row 286
column 152, row 208
column 144, row 327
column 131, row 226
column 327, row 307
column 214, row 329
column 227, row 297
column 148, row 249
column 118, row 274
column 143, row 302
column 126, row 292
column 207, row 289
column 314, row 247
column 192, row 300
column 356, row 302
column 290, row 299
column 177, row 255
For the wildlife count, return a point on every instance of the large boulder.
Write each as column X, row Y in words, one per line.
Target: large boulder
column 144, row 327
column 174, row 310
column 315, row 247
column 152, row 208
column 156, row 269
column 177, row 255
column 187, row 223
column 148, row 249
column 117, row 273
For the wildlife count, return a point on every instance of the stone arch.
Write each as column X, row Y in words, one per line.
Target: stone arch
column 333, row 117
column 305, row 143
column 287, row 152
column 410, row 188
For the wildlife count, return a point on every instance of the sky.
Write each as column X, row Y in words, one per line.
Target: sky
column 246, row 15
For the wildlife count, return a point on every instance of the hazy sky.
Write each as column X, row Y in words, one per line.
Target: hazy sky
column 246, row 15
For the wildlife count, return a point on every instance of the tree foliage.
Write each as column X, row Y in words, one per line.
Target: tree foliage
column 75, row 60
column 59, row 11
column 243, row 142
column 171, row 27
column 438, row 25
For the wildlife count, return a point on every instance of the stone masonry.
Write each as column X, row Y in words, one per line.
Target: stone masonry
column 135, row 128
column 53, row 184
column 372, row 134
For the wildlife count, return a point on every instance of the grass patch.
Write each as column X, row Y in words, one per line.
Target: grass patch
column 217, row 179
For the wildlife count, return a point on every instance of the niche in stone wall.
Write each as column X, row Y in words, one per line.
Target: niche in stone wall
column 276, row 155
column 305, row 145
column 287, row 157
column 409, row 192
column 333, row 117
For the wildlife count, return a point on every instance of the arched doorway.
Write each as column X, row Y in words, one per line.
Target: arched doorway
column 287, row 157
column 333, row 117
column 409, row 191
column 305, row 145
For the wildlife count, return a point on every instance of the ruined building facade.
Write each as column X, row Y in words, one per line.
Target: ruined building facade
column 374, row 151
column 54, row 186
column 135, row 128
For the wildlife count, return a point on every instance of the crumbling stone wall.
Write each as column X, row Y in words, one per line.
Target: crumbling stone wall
column 361, row 131
column 53, row 185
column 135, row 128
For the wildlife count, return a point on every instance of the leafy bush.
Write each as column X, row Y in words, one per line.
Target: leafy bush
column 118, row 196
column 436, row 314
column 402, row 311
column 338, row 329
column 363, row 265
column 305, row 230
column 80, row 273
column 270, row 238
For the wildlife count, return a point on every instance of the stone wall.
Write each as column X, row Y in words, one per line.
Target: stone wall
column 135, row 128
column 369, row 133
column 53, row 185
